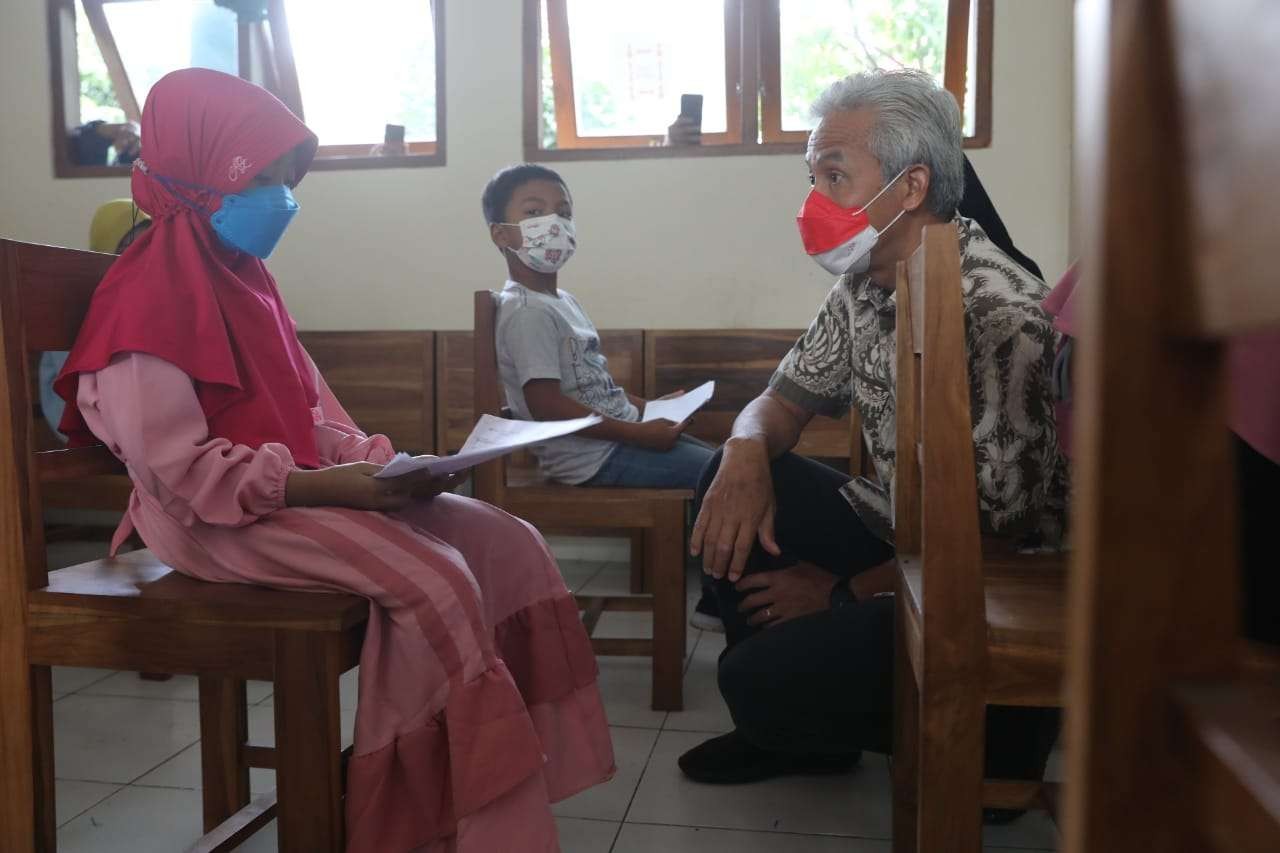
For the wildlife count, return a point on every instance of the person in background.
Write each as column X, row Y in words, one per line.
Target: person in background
column 683, row 131
column 1253, row 369
column 550, row 359
column 116, row 224
column 92, row 143
column 803, row 554
column 478, row 701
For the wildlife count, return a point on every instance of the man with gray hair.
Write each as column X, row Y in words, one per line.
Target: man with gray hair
column 802, row 553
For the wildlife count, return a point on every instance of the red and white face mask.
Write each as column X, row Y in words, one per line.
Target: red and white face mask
column 840, row 239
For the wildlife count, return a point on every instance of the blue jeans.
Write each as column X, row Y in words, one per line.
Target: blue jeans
column 640, row 468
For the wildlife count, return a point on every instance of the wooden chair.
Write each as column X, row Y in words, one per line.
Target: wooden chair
column 741, row 362
column 972, row 631
column 1174, row 741
column 384, row 379
column 135, row 613
column 658, row 515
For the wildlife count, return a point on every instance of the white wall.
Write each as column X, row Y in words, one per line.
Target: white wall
column 670, row 243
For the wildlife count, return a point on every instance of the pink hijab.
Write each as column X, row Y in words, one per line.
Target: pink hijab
column 1253, row 365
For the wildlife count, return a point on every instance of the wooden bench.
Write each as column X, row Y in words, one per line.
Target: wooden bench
column 385, row 381
column 973, row 629
column 135, row 613
column 741, row 362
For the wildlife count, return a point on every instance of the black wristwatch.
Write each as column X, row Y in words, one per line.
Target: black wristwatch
column 842, row 595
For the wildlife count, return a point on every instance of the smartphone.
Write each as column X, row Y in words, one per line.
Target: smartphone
column 394, row 135
column 691, row 108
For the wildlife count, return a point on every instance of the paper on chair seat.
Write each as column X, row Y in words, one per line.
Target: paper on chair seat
column 679, row 408
column 492, row 437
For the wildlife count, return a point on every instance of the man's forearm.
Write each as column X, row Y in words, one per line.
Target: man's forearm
column 766, row 422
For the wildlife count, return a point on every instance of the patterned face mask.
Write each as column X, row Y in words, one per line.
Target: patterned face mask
column 548, row 242
column 840, row 239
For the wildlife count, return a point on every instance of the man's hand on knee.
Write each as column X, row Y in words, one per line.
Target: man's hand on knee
column 737, row 509
column 771, row 598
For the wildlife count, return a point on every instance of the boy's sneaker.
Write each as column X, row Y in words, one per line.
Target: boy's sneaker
column 706, row 616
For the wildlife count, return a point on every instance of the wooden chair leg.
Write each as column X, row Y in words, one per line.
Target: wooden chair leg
column 906, row 742
column 17, row 803
column 639, row 582
column 951, row 748
column 308, row 742
column 46, row 819
column 664, row 552
column 224, row 730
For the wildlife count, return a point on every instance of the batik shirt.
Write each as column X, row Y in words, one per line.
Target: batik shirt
column 848, row 358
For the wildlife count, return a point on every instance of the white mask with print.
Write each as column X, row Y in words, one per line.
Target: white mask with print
column 547, row 244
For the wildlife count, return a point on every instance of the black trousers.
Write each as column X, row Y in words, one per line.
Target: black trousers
column 824, row 683
column 1259, row 483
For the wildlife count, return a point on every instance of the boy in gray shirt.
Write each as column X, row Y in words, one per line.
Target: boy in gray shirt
column 549, row 355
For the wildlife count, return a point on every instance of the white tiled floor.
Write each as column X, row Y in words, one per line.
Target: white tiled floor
column 128, row 768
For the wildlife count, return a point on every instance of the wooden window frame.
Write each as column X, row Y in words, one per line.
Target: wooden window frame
column 757, row 54
column 280, row 76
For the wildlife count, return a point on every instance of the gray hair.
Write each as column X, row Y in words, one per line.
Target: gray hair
column 917, row 122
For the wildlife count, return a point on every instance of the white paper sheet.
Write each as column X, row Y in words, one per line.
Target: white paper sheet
column 679, row 408
column 492, row 437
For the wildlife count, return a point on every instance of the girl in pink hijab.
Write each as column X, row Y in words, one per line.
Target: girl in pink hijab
column 478, row 702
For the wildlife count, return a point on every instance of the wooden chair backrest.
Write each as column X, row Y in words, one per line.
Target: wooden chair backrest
column 490, row 479
column 384, row 379
column 44, row 296
column 1179, row 106
column 741, row 362
column 935, row 489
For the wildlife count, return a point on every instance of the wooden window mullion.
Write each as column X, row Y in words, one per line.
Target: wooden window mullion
column 956, row 52
column 771, row 77
column 771, row 70
column 749, row 71
column 267, row 57
column 733, row 67
column 562, row 74
column 244, row 50
column 282, row 49
column 982, row 93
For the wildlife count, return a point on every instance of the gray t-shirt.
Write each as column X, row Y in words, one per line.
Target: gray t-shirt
column 551, row 337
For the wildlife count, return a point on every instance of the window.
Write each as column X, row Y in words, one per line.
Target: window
column 617, row 69
column 387, row 74
column 605, row 80
column 108, row 53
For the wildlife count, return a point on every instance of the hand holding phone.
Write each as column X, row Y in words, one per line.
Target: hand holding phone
column 392, row 142
column 687, row 128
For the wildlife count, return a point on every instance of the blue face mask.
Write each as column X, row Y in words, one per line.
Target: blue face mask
column 253, row 221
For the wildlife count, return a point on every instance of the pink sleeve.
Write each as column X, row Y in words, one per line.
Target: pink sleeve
column 145, row 410
column 338, row 438
column 1253, row 362
column 1060, row 303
